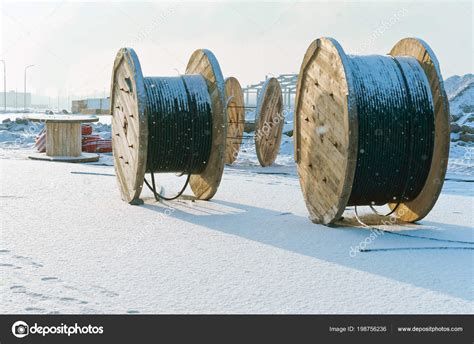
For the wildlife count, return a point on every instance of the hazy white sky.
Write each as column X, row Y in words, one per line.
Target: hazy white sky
column 73, row 44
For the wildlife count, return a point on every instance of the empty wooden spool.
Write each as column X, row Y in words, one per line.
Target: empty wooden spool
column 269, row 120
column 64, row 138
column 235, row 118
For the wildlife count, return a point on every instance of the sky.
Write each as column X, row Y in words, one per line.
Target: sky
column 72, row 45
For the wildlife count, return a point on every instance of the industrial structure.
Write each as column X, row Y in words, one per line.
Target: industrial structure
column 91, row 106
column 288, row 88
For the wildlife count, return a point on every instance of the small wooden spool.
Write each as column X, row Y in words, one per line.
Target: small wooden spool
column 64, row 138
column 130, row 127
column 235, row 118
column 326, row 130
column 269, row 121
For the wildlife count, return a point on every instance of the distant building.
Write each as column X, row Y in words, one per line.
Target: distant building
column 16, row 99
column 91, row 106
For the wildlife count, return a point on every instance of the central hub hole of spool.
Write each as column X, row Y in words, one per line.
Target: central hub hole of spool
column 232, row 112
column 129, row 84
column 125, row 124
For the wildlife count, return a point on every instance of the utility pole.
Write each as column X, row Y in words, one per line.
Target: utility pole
column 4, row 86
column 24, row 94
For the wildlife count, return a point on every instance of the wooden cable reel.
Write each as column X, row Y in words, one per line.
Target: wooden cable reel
column 235, row 118
column 130, row 132
column 269, row 120
column 327, row 130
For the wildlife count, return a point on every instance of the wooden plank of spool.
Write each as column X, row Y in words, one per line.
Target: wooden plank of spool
column 129, row 124
column 205, row 184
column 270, row 121
column 326, row 133
column 235, row 118
column 63, row 139
column 419, row 207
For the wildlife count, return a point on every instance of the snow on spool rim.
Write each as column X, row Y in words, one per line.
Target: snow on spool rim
column 130, row 127
column 326, row 130
column 235, row 118
column 269, row 122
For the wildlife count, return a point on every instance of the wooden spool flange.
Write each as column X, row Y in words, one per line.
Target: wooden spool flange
column 235, row 118
column 205, row 184
column 130, row 128
column 326, row 130
column 269, row 121
column 420, row 207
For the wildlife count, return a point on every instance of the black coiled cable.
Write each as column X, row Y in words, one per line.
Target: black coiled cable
column 179, row 116
column 396, row 129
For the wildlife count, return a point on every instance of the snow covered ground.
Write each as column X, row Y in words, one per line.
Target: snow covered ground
column 69, row 244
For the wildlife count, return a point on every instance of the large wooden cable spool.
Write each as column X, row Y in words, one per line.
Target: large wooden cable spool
column 327, row 131
column 130, row 127
column 269, row 120
column 235, row 118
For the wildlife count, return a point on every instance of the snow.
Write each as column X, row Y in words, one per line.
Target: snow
column 461, row 160
column 70, row 245
column 460, row 91
column 248, row 156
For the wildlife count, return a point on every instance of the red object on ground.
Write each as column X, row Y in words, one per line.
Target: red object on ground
column 94, row 144
column 86, row 129
column 40, row 141
column 90, row 138
column 90, row 143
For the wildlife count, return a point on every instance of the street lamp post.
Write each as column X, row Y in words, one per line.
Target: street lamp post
column 24, row 94
column 4, row 86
